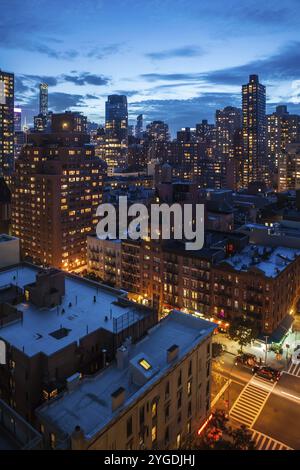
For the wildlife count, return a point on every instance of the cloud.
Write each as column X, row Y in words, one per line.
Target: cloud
column 86, row 78
column 187, row 112
column 100, row 52
column 59, row 101
column 154, row 77
column 283, row 65
column 181, row 52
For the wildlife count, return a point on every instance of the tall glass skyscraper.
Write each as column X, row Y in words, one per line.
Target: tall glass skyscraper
column 43, row 99
column 254, row 131
column 116, row 116
column 6, row 123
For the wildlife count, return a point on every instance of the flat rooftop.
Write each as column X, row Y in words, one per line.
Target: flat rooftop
column 270, row 261
column 89, row 405
column 6, row 238
column 33, row 334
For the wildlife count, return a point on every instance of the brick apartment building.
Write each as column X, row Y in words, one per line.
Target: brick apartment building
column 57, row 187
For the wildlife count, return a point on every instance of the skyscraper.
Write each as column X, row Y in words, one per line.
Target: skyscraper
column 43, row 99
column 17, row 119
column 228, row 121
column 57, row 187
column 116, row 116
column 116, row 131
column 254, row 131
column 139, row 127
column 6, row 123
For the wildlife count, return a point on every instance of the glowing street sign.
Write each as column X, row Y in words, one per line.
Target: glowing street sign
column 2, row 92
column 2, row 352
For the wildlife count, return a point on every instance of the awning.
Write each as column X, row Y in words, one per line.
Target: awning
column 280, row 332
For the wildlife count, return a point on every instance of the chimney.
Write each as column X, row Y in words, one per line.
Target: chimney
column 122, row 357
column 172, row 353
column 117, row 398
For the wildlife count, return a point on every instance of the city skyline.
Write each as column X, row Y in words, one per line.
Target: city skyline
column 126, row 48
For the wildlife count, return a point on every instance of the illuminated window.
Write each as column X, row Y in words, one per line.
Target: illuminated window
column 145, row 364
column 154, row 433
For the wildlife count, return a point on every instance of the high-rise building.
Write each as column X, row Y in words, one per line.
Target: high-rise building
column 254, row 131
column 289, row 168
column 6, row 123
column 57, row 187
column 116, row 131
column 158, row 131
column 17, row 119
column 283, row 128
column 43, row 99
column 228, row 121
column 116, row 116
column 139, row 127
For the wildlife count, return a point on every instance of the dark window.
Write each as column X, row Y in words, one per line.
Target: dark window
column 179, row 400
column 190, row 368
column 142, row 415
column 190, row 409
column 179, row 382
column 129, row 426
column 167, row 412
column 167, row 390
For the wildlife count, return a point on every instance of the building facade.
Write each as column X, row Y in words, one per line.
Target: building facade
column 57, row 187
column 6, row 124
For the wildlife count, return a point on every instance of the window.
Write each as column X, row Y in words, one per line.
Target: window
column 167, row 390
column 167, row 435
column 129, row 426
column 154, row 409
column 178, row 441
column 167, row 412
column 189, row 388
column 190, row 368
column 52, row 440
column 179, row 399
column 189, row 427
column 154, row 433
column 145, row 364
column 179, row 382
column 142, row 415
column 190, row 409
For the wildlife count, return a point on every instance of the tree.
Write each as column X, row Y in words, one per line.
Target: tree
column 243, row 330
column 217, row 349
column 242, row 438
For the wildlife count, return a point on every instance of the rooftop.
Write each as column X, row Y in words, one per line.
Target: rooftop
column 37, row 332
column 6, row 238
column 270, row 261
column 89, row 404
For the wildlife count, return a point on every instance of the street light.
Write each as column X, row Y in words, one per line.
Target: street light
column 266, row 351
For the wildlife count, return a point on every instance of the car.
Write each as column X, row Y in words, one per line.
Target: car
column 246, row 359
column 267, row 373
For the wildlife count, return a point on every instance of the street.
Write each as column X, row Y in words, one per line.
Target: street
column 271, row 410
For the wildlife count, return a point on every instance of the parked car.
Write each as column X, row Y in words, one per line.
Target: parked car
column 246, row 359
column 267, row 373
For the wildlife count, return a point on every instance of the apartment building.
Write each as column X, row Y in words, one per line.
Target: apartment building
column 104, row 260
column 155, row 395
column 260, row 282
column 56, row 325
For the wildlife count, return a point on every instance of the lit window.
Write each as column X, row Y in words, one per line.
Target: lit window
column 145, row 364
column 154, row 433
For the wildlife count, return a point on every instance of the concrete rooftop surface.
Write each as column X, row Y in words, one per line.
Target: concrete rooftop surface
column 33, row 334
column 90, row 404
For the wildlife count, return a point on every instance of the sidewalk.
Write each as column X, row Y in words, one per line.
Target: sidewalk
column 232, row 347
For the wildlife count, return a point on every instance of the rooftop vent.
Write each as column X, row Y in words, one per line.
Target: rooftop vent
column 118, row 398
column 61, row 333
column 172, row 353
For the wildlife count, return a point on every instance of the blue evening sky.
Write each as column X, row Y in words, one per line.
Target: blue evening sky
column 177, row 60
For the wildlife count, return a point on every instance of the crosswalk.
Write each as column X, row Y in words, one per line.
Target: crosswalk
column 263, row 442
column 250, row 402
column 294, row 369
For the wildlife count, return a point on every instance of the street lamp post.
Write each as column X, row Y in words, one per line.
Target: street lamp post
column 266, row 351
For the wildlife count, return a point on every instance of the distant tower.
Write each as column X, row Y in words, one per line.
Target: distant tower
column 43, row 99
column 6, row 123
column 139, row 127
column 254, row 130
column 17, row 119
